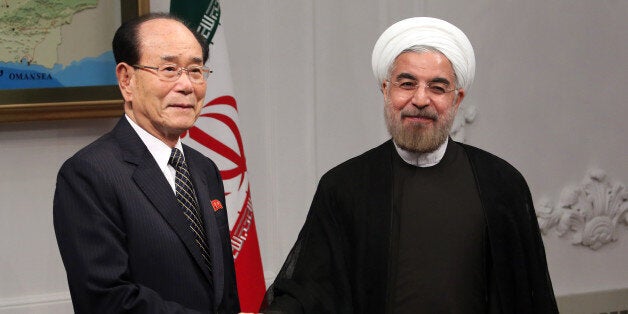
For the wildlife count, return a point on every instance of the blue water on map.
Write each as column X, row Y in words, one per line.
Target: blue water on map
column 98, row 71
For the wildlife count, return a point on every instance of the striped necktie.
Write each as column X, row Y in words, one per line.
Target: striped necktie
column 187, row 199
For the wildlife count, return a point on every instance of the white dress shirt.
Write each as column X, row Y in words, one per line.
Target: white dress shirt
column 160, row 151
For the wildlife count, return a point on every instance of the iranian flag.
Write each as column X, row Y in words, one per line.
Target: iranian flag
column 217, row 135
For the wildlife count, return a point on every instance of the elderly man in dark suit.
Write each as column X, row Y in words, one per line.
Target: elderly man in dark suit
column 139, row 217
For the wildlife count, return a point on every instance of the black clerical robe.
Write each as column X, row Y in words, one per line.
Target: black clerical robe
column 341, row 260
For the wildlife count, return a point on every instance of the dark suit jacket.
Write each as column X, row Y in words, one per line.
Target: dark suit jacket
column 344, row 259
column 124, row 240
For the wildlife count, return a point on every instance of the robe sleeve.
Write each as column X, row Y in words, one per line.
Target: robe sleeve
column 314, row 277
column 521, row 278
column 543, row 293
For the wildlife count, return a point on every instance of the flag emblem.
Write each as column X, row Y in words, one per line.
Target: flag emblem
column 217, row 205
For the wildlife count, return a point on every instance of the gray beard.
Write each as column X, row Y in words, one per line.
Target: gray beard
column 416, row 138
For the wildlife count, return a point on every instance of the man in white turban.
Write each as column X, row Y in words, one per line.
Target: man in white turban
column 421, row 223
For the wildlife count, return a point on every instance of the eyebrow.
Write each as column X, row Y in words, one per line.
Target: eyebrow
column 175, row 58
column 405, row 75
column 440, row 80
column 409, row 76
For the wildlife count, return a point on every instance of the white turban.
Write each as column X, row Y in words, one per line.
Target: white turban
column 425, row 31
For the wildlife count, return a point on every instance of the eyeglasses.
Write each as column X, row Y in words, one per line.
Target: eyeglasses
column 435, row 88
column 172, row 72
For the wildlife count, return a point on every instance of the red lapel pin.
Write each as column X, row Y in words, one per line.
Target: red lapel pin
column 216, row 204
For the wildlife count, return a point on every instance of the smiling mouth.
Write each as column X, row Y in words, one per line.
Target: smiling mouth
column 419, row 118
column 181, row 106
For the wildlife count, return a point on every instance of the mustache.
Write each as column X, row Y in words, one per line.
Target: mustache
column 414, row 112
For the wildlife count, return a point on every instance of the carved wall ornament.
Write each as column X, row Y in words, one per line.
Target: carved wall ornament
column 466, row 115
column 593, row 211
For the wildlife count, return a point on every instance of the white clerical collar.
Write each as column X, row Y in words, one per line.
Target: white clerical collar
column 423, row 159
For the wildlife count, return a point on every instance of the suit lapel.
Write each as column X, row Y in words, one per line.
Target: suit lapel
column 205, row 194
column 153, row 184
column 161, row 196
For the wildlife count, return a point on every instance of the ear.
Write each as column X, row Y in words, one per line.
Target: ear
column 384, row 88
column 124, row 73
column 459, row 98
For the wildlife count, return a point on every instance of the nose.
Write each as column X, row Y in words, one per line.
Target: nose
column 421, row 98
column 184, row 83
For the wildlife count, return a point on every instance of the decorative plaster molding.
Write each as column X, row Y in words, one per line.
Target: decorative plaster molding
column 34, row 300
column 466, row 115
column 600, row 301
column 592, row 210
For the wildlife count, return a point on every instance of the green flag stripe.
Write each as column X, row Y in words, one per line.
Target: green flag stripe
column 202, row 15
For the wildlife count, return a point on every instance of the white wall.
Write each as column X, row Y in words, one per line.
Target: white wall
column 550, row 76
column 32, row 278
